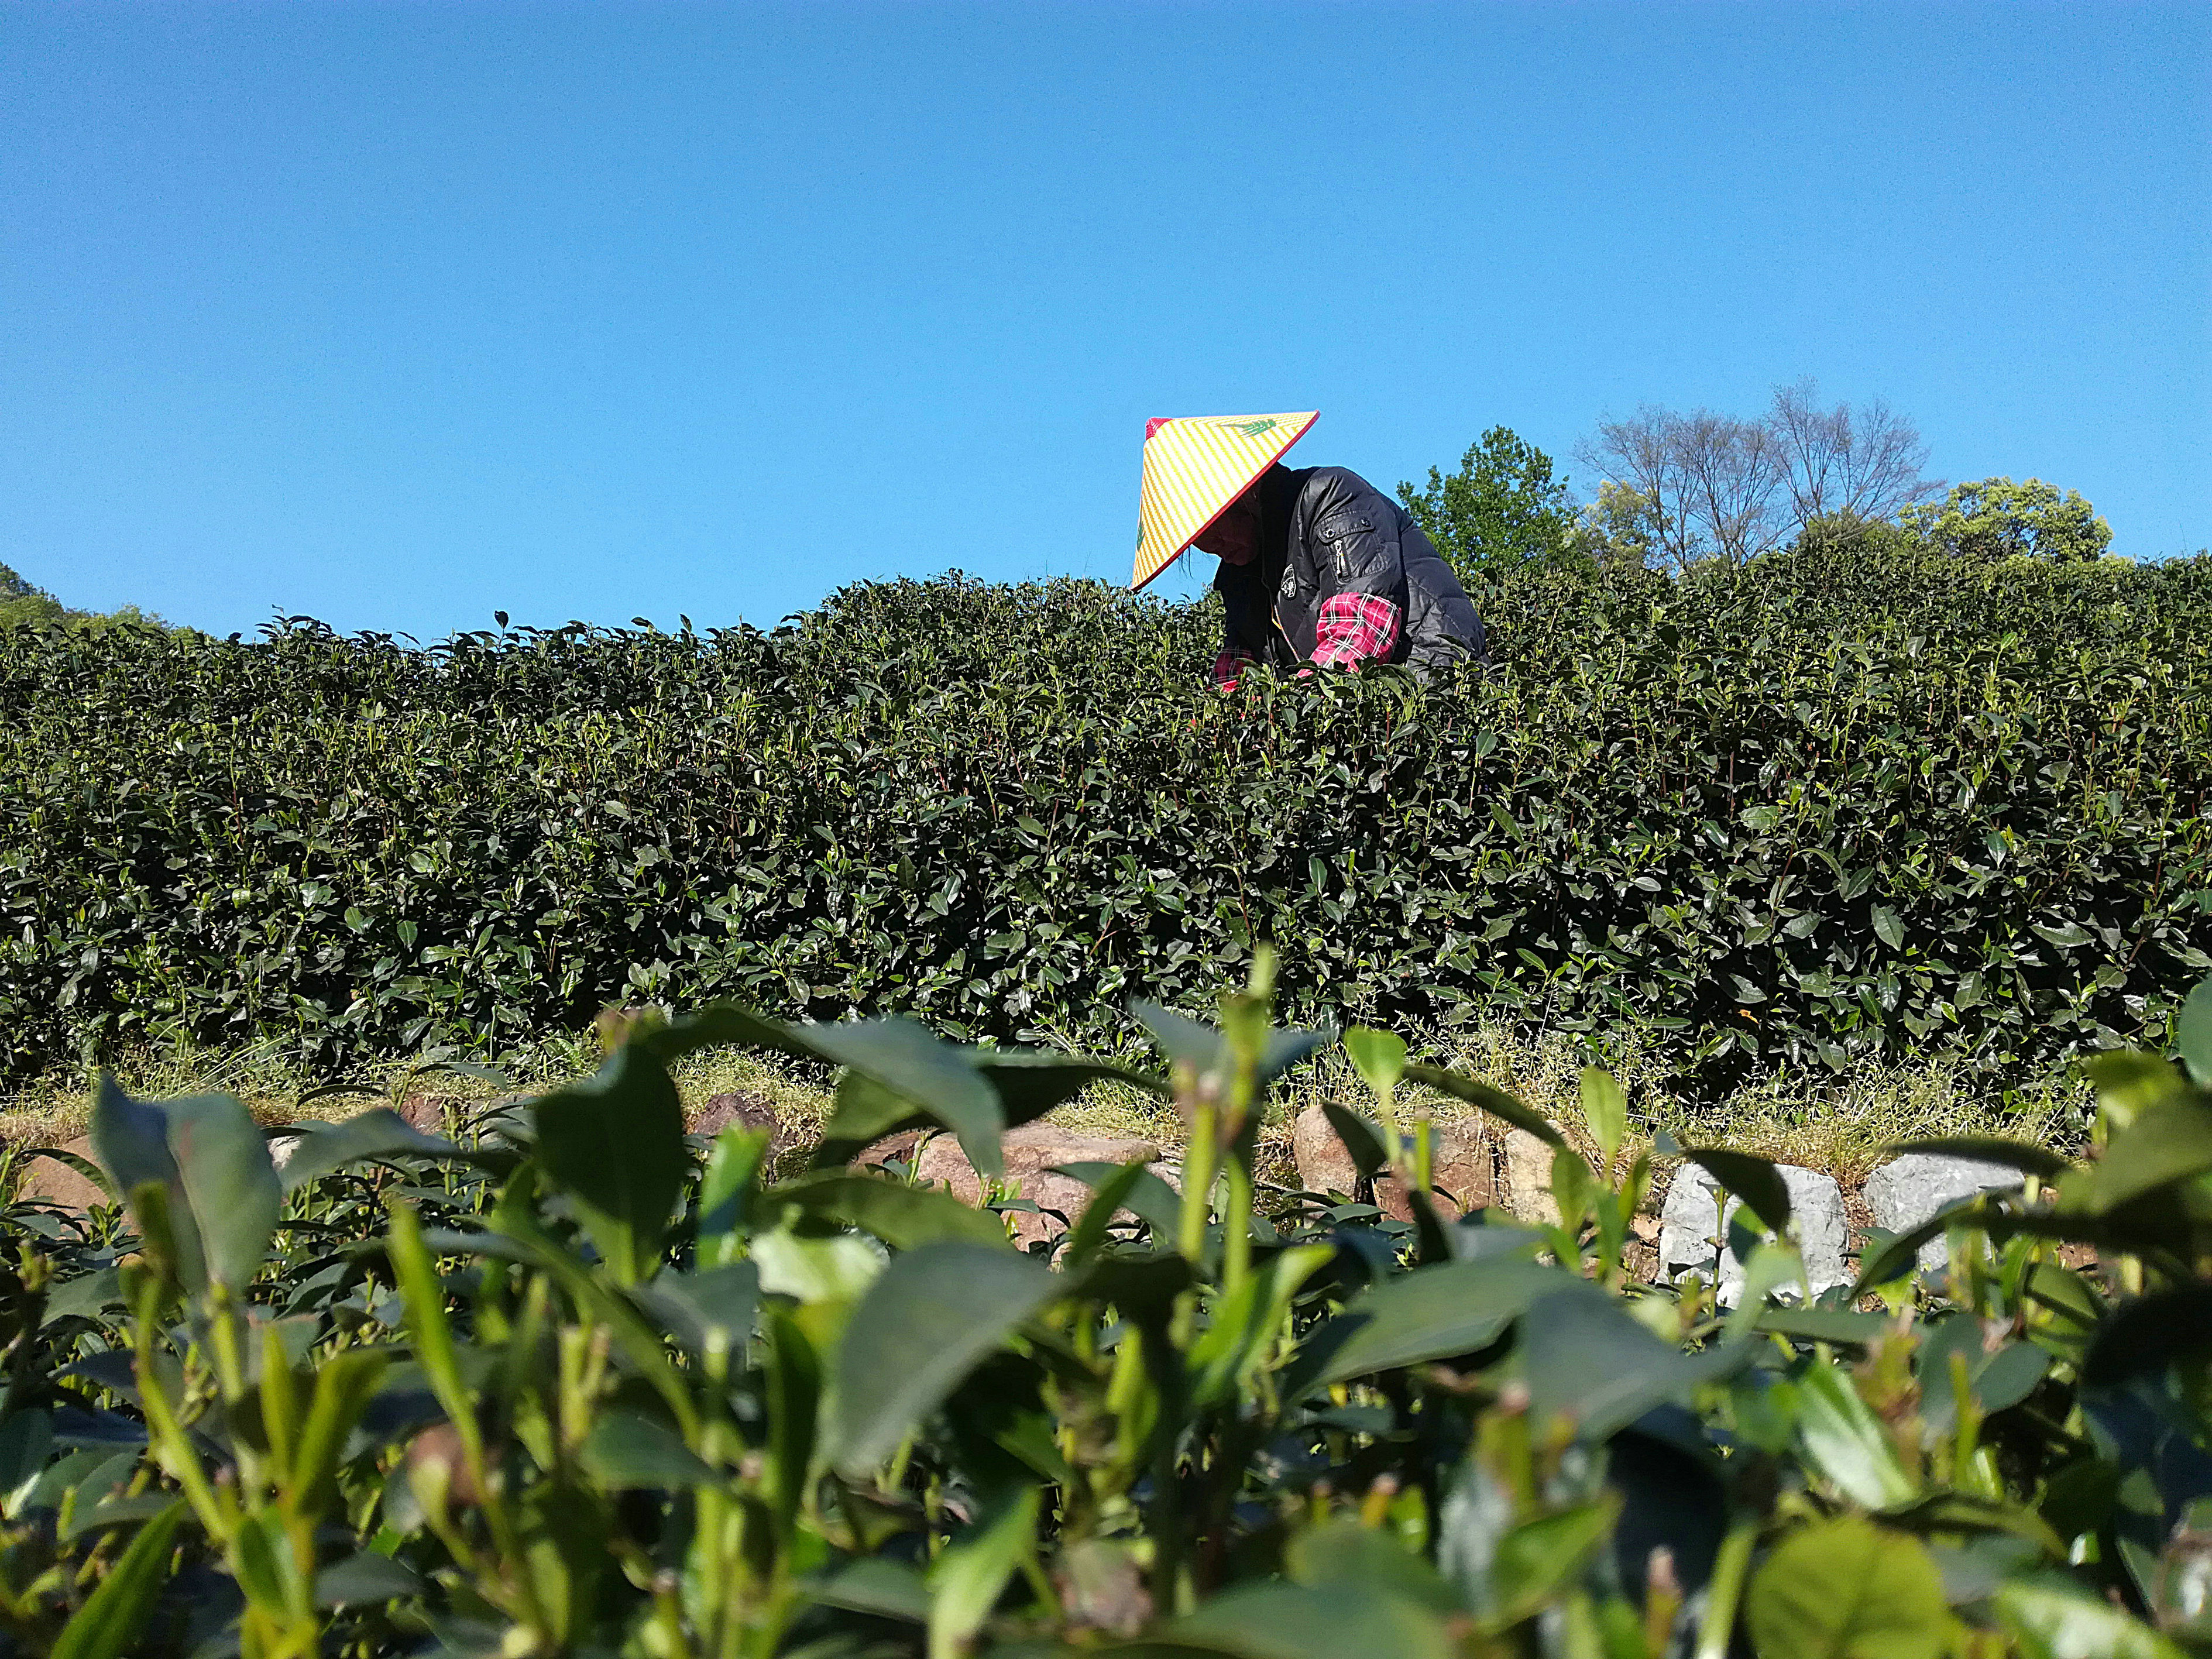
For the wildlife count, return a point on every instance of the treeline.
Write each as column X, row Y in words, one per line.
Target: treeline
column 1838, row 806
column 23, row 601
column 1676, row 489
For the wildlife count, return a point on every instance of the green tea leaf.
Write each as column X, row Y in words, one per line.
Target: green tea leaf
column 1344, row 1553
column 1755, row 1180
column 1323, row 1621
column 2162, row 1146
column 966, row 1579
column 1889, row 926
column 1586, row 1360
column 1031, row 1082
column 2192, row 1033
column 1840, row 1437
column 1116, row 1187
column 2054, row 1620
column 378, row 1132
column 903, row 1217
column 934, row 1078
column 927, row 1320
column 212, row 1160
column 108, row 1625
column 1364, row 1139
column 625, row 1452
column 711, row 1308
column 1847, row 1589
column 615, row 1142
column 2027, row 1158
column 1378, row 1056
column 1605, row 1110
column 1432, row 1313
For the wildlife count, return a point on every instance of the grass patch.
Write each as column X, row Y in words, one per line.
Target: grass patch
column 1835, row 1123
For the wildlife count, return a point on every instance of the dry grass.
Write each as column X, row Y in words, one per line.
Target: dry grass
column 57, row 1107
column 1836, row 1124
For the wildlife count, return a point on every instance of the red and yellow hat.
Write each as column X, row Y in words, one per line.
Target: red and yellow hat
column 1195, row 466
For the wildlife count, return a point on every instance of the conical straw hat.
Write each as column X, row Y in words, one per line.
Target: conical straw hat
column 1194, row 468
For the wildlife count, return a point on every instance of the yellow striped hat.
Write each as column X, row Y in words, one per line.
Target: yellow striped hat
column 1194, row 467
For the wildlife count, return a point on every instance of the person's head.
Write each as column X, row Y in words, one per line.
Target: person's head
column 1234, row 538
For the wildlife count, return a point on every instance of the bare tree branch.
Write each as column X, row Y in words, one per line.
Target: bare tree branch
column 1862, row 464
column 1720, row 488
column 1711, row 480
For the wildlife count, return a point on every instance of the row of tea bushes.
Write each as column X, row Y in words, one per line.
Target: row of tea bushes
column 1829, row 811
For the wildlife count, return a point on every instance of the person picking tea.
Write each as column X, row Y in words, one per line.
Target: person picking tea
column 1319, row 568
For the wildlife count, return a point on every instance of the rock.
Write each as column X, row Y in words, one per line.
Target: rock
column 891, row 1149
column 1529, row 1178
column 56, row 1183
column 1689, row 1218
column 1323, row 1164
column 1030, row 1151
column 282, row 1146
column 1463, row 1166
column 427, row 1113
column 1908, row 1190
column 750, row 1111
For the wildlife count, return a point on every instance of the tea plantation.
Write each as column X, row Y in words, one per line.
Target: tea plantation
column 1841, row 807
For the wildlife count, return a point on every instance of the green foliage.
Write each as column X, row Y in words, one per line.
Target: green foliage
column 1502, row 510
column 1827, row 810
column 21, row 604
column 1997, row 519
column 1619, row 527
column 428, row 1409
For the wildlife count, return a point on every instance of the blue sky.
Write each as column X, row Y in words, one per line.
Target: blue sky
column 398, row 314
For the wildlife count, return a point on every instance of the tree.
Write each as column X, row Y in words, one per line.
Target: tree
column 1717, row 487
column 20, row 602
column 1503, row 508
column 1842, row 464
column 1997, row 519
column 1709, row 481
column 1618, row 528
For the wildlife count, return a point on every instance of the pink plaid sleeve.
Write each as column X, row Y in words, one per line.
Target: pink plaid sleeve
column 1354, row 629
column 1229, row 667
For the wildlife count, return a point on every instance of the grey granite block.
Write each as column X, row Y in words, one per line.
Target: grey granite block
column 1908, row 1190
column 1692, row 1218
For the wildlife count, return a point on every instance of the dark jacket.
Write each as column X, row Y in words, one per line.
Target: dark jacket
column 1324, row 531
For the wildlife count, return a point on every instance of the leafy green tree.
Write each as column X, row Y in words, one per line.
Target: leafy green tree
column 1620, row 527
column 1503, row 509
column 1997, row 519
column 20, row 602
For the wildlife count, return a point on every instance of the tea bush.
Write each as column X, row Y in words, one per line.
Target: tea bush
column 553, row 1388
column 1840, row 807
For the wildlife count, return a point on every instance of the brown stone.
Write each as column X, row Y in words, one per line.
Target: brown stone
column 750, row 1111
column 1463, row 1166
column 1030, row 1151
column 55, row 1182
column 1529, row 1178
column 427, row 1113
column 1323, row 1164
column 891, row 1149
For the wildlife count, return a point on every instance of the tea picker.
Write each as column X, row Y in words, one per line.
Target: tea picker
column 1319, row 568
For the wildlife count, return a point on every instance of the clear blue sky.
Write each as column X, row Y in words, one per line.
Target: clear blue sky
column 398, row 314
